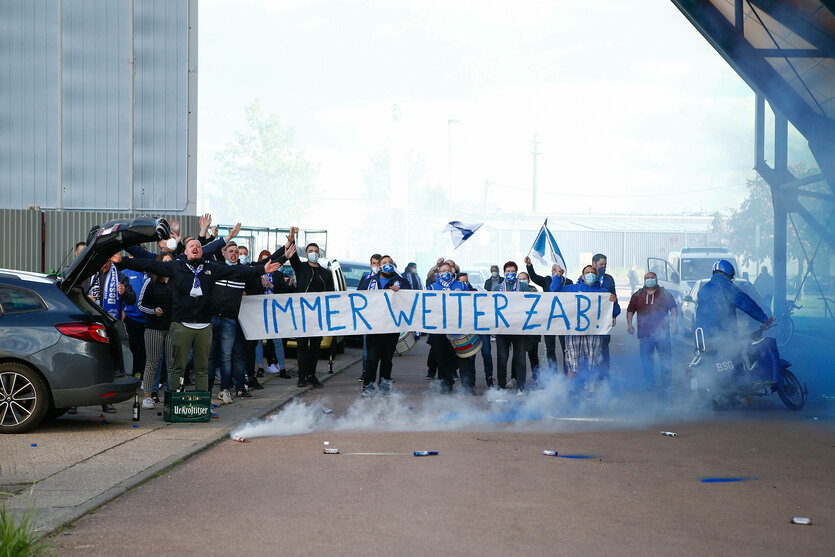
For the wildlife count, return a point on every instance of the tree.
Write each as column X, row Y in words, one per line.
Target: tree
column 757, row 210
column 262, row 174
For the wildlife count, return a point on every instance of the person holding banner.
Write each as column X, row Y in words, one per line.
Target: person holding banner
column 441, row 350
column 381, row 347
column 531, row 341
column 584, row 353
column 364, row 284
column 558, row 274
column 310, row 277
column 504, row 343
column 598, row 261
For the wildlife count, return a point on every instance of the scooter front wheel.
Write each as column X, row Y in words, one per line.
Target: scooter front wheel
column 792, row 392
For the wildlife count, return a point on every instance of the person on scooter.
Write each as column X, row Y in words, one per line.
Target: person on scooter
column 718, row 301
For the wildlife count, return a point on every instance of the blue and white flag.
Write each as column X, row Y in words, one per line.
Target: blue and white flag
column 545, row 243
column 460, row 231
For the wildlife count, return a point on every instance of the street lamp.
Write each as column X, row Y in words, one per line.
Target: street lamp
column 449, row 124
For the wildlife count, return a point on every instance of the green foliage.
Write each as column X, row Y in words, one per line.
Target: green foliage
column 757, row 209
column 18, row 537
column 262, row 175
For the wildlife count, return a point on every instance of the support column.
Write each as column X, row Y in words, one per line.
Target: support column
column 781, row 153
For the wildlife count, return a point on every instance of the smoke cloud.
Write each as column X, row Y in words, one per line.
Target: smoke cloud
column 560, row 405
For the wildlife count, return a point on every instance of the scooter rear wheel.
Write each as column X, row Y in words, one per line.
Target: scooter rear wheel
column 792, row 392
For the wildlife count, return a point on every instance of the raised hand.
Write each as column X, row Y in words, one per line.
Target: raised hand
column 290, row 251
column 271, row 267
column 527, row 260
column 232, row 232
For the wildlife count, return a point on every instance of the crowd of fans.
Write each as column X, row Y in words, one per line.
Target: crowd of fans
column 180, row 308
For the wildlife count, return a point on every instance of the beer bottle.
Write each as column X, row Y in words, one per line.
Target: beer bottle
column 136, row 408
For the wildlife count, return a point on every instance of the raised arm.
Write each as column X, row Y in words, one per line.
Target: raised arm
column 143, row 298
column 163, row 268
column 543, row 282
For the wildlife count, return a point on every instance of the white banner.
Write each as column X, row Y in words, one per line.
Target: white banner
column 427, row 311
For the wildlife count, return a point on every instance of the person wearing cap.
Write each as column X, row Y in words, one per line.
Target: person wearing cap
column 653, row 305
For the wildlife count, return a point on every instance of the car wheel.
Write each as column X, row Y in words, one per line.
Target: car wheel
column 24, row 399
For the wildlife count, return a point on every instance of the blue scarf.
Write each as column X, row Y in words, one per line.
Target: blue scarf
column 195, row 287
column 110, row 293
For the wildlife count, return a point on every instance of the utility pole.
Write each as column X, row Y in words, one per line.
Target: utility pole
column 534, row 153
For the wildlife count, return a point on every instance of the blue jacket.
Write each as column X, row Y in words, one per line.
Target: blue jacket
column 453, row 285
column 716, row 308
column 583, row 287
column 137, row 282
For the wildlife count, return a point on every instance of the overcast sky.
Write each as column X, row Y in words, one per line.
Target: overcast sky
column 636, row 112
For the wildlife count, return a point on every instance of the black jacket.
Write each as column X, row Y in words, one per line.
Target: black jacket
column 156, row 295
column 544, row 282
column 397, row 279
column 311, row 279
column 185, row 308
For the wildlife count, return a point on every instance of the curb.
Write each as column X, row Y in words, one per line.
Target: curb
column 50, row 521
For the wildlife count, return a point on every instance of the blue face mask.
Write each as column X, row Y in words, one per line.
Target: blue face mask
column 244, row 259
column 510, row 277
column 590, row 278
column 388, row 268
column 446, row 276
column 523, row 285
column 651, row 283
column 229, row 262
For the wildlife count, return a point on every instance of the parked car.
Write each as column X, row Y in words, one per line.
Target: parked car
column 58, row 349
column 690, row 303
column 353, row 272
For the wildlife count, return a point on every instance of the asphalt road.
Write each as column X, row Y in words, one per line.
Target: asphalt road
column 490, row 491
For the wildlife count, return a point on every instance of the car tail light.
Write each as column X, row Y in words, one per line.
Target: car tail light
column 91, row 332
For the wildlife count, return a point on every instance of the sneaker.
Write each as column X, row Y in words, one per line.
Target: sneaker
column 255, row 385
column 155, row 396
column 489, row 382
column 284, row 375
column 315, row 382
column 521, row 392
column 260, row 372
column 243, row 393
column 148, row 404
column 108, row 408
column 301, row 383
column 430, row 377
column 367, row 391
column 224, row 397
column 214, row 414
column 511, row 384
column 272, row 368
column 361, row 376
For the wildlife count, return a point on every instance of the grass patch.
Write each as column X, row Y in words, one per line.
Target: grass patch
column 18, row 537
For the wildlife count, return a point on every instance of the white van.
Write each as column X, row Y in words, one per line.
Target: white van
column 684, row 268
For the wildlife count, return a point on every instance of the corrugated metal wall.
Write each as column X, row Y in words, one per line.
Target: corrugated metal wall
column 29, row 124
column 20, row 240
column 161, row 92
column 20, row 243
column 95, row 105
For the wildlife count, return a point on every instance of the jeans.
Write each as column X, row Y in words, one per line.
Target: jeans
column 487, row 357
column 272, row 349
column 657, row 342
column 227, row 352
column 503, row 346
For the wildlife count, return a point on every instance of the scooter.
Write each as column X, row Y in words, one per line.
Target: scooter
column 728, row 380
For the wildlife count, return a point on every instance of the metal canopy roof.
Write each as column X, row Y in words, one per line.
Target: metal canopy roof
column 784, row 50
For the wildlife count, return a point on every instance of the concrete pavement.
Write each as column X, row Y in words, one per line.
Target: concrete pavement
column 77, row 463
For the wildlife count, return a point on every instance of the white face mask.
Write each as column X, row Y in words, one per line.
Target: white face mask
column 171, row 244
column 375, row 269
column 313, row 257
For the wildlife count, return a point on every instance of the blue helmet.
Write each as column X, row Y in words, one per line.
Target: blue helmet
column 723, row 266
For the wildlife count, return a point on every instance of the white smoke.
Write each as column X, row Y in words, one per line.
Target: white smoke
column 559, row 405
